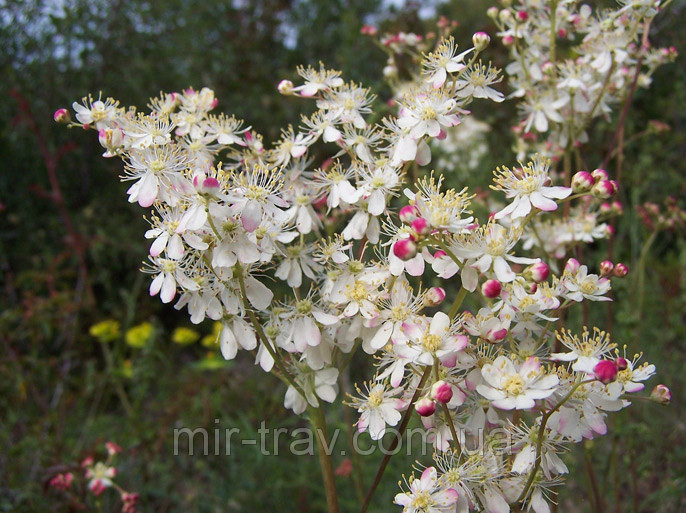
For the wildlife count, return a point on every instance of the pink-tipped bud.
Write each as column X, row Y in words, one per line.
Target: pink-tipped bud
column 492, row 12
column 420, row 226
column 572, row 266
column 508, row 40
column 661, row 395
column 112, row 448
column 495, row 336
column 617, row 208
column 600, row 174
column 621, row 363
column 408, row 214
column 606, row 267
column 604, row 189
column 539, row 272
column 620, row 270
column 87, row 462
column 285, row 87
column 505, row 16
column 605, row 208
column 434, row 296
column 97, row 487
column 480, row 41
column 582, row 182
column 522, row 15
column 440, row 253
column 562, row 33
column 425, row 407
column 441, row 392
column 605, row 371
column 405, row 249
column 530, row 287
column 62, row 116
column 111, row 138
column 368, row 30
column 206, row 185
column 491, row 289
column 548, row 67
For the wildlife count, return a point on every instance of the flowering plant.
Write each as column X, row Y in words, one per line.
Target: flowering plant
column 364, row 254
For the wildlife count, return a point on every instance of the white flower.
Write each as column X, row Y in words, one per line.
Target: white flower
column 585, row 352
column 427, row 495
column 581, row 285
column 378, row 409
column 527, row 187
column 509, row 387
column 442, row 61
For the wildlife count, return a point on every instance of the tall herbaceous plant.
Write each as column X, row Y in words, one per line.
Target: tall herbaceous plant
column 306, row 261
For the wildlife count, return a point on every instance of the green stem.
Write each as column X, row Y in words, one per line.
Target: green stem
column 457, row 303
column 324, row 455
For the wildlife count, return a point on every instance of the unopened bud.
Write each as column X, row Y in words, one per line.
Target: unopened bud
column 421, row 226
column 441, row 392
column 425, row 407
column 408, row 214
column 606, row 267
column 620, row 270
column 522, row 15
column 617, row 208
column 621, row 363
column 572, row 266
column 405, row 249
column 661, row 395
column 605, row 371
column 604, row 189
column 492, row 12
column 582, row 182
column 480, row 41
column 435, row 296
column 62, row 116
column 505, row 16
column 508, row 40
column 600, row 174
column 491, row 289
column 495, row 336
column 285, row 87
column 539, row 272
column 206, row 184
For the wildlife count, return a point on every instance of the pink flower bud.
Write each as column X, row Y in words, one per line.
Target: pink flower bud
column 206, row 184
column 96, row 487
column 495, row 336
column 530, row 287
column 112, row 448
column 368, row 30
column 508, row 40
column 620, row 270
column 405, row 249
column 606, row 267
column 603, row 189
column 605, row 208
column 421, row 226
column 562, row 33
column 600, row 174
column 539, row 272
column 62, row 116
column 522, row 15
column 491, row 289
column 408, row 214
column 605, row 371
column 285, row 87
column 441, row 392
column 425, row 407
column 621, row 363
column 480, row 41
column 661, row 395
column 87, row 462
column 617, row 208
column 492, row 12
column 572, row 266
column 582, row 182
column 434, row 296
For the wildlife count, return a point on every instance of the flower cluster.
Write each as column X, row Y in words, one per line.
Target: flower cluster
column 99, row 476
column 303, row 262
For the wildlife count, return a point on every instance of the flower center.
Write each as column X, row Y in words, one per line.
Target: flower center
column 514, row 385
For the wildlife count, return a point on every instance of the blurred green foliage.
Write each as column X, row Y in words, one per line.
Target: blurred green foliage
column 70, row 249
